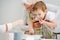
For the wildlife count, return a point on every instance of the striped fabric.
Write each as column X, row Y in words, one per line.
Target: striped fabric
column 6, row 28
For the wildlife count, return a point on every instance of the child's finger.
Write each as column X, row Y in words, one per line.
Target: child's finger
column 40, row 21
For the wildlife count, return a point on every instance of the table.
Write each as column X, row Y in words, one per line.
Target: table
column 34, row 37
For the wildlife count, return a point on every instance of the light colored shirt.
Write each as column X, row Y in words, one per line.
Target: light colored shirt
column 50, row 15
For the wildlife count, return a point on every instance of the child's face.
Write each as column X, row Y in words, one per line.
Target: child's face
column 39, row 13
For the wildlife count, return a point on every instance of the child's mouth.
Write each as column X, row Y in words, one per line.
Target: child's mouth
column 36, row 21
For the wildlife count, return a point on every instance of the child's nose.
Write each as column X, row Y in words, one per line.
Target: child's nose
column 38, row 16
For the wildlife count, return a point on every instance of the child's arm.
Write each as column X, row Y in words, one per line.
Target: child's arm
column 18, row 22
column 9, row 26
column 51, row 24
column 31, row 31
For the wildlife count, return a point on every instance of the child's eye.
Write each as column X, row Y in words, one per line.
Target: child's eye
column 39, row 14
column 34, row 14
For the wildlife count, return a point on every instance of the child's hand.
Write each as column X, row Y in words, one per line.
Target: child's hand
column 41, row 20
column 31, row 32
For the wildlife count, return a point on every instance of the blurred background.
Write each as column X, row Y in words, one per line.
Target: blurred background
column 12, row 10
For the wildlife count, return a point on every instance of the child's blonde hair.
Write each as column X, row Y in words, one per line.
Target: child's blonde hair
column 40, row 5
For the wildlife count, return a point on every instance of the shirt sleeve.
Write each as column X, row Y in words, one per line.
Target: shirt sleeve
column 3, row 28
column 50, row 15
